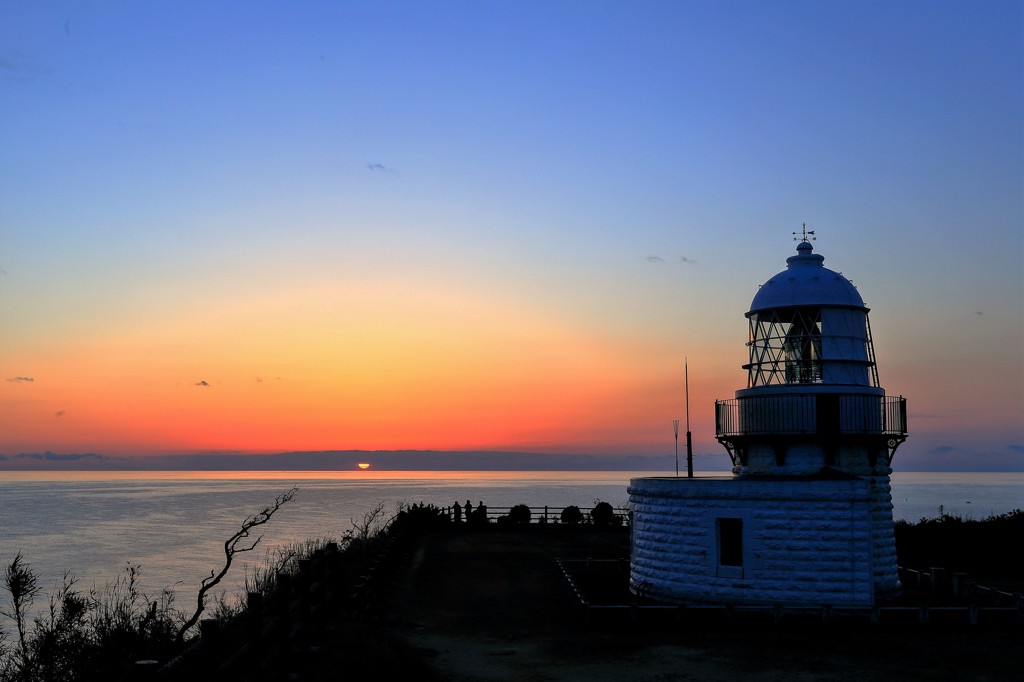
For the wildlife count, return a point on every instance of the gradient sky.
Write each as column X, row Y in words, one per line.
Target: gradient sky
column 273, row 226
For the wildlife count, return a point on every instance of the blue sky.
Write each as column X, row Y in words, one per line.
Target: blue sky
column 553, row 203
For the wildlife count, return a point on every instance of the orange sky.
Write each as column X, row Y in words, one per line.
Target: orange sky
column 495, row 227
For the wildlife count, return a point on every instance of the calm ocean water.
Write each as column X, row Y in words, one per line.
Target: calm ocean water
column 173, row 524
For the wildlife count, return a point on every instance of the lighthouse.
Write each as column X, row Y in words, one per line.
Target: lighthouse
column 806, row 516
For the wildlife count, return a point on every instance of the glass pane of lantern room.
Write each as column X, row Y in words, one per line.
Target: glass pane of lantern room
column 802, row 345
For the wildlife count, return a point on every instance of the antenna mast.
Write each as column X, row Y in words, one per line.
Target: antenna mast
column 689, row 441
column 675, row 427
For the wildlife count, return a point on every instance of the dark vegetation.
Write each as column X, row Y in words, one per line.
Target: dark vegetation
column 520, row 513
column 988, row 550
column 603, row 515
column 97, row 635
column 82, row 636
column 101, row 634
column 572, row 515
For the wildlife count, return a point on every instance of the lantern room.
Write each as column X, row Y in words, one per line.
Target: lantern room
column 808, row 325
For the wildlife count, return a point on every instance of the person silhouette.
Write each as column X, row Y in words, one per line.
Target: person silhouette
column 469, row 510
column 457, row 511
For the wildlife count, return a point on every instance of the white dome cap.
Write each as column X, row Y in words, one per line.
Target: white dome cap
column 805, row 281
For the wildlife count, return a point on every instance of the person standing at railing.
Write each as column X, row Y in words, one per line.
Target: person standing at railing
column 457, row 512
column 478, row 515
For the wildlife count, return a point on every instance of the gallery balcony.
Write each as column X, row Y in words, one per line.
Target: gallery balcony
column 812, row 414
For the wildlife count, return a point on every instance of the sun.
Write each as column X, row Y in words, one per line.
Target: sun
column 364, row 465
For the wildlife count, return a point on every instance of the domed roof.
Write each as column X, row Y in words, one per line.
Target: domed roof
column 805, row 281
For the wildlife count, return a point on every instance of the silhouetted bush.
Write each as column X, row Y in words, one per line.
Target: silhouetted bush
column 602, row 515
column 419, row 517
column 519, row 514
column 572, row 515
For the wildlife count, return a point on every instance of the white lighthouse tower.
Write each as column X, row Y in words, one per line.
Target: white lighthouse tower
column 806, row 517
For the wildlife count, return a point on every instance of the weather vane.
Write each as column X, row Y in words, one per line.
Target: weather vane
column 804, row 234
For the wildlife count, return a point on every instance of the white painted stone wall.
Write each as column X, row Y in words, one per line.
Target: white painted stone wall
column 852, row 458
column 887, row 578
column 805, row 541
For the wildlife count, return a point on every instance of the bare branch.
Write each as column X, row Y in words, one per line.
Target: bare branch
column 372, row 522
column 231, row 548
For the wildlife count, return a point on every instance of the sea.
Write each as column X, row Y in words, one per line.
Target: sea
column 172, row 525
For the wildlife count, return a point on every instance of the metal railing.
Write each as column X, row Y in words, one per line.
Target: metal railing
column 799, row 414
column 539, row 514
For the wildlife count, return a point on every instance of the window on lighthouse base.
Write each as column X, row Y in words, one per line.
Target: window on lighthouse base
column 730, row 547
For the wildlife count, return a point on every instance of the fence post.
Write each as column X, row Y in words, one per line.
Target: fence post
column 961, row 585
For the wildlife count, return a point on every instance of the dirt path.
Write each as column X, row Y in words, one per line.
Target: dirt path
column 491, row 607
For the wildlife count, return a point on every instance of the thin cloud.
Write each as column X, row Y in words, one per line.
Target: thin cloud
column 21, row 67
column 12, row 61
column 16, row 379
column 659, row 259
column 201, row 383
column 379, row 167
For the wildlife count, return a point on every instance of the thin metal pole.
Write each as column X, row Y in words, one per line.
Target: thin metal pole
column 675, row 427
column 689, row 440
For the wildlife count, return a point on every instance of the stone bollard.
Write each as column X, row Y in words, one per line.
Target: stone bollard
column 280, row 598
column 254, row 614
column 284, row 583
column 938, row 579
column 209, row 629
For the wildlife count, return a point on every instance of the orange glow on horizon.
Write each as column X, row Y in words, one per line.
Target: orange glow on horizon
column 436, row 370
